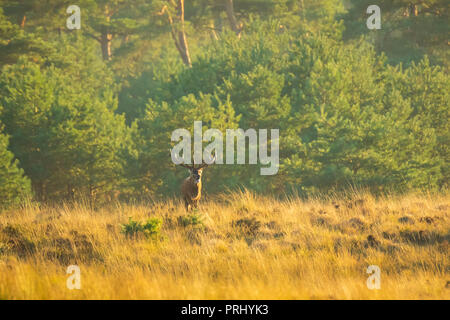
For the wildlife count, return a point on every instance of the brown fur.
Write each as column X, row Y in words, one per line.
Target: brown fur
column 190, row 189
column 191, row 192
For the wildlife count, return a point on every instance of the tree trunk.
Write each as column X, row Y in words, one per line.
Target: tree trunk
column 40, row 191
column 184, row 49
column 106, row 37
column 178, row 32
column 229, row 8
column 70, row 193
column 412, row 10
column 214, row 35
column 105, row 42
column 22, row 21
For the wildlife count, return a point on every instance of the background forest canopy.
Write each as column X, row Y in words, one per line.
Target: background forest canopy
column 90, row 112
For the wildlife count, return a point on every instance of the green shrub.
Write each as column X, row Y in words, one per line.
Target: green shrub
column 193, row 219
column 150, row 229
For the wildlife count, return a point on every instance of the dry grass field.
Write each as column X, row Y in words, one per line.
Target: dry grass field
column 241, row 246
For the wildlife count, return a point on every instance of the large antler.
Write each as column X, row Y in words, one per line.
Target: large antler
column 187, row 166
column 204, row 165
column 181, row 164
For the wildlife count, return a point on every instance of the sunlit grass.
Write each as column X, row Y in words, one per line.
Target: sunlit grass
column 238, row 246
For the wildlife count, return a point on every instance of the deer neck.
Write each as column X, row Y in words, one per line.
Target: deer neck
column 196, row 188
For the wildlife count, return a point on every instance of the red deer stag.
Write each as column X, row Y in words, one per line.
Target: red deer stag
column 191, row 188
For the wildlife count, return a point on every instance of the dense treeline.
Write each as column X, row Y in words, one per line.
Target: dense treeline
column 90, row 112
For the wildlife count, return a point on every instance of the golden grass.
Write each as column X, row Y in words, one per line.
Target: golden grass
column 292, row 249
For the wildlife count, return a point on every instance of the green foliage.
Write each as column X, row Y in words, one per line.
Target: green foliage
column 194, row 219
column 409, row 29
column 347, row 117
column 90, row 112
column 62, row 124
column 14, row 42
column 14, row 186
column 150, row 229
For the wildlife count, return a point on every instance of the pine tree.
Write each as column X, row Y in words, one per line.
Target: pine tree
column 14, row 186
column 15, row 42
column 62, row 123
column 410, row 29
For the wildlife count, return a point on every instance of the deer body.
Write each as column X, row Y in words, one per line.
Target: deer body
column 192, row 192
column 191, row 188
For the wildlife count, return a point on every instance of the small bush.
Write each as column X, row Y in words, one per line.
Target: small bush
column 247, row 226
column 16, row 242
column 193, row 219
column 150, row 229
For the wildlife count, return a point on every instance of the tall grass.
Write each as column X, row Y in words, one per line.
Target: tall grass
column 248, row 247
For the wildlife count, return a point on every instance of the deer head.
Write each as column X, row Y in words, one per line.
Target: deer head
column 196, row 172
